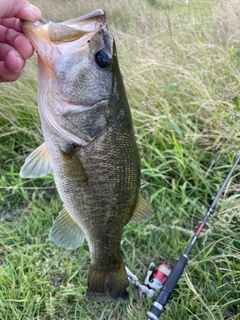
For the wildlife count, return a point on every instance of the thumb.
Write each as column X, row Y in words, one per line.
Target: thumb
column 21, row 9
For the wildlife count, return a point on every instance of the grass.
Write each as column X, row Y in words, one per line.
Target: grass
column 181, row 69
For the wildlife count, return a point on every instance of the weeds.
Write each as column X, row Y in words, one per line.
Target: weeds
column 180, row 64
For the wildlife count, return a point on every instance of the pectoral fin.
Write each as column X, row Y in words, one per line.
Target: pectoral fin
column 72, row 164
column 65, row 232
column 37, row 164
column 142, row 211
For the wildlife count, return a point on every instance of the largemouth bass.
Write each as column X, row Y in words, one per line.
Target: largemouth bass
column 89, row 144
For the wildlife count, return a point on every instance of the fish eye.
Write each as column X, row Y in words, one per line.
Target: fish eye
column 103, row 59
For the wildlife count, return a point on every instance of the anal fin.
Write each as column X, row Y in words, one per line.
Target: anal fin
column 142, row 211
column 37, row 164
column 65, row 232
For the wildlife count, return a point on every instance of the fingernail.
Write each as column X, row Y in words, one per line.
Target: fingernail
column 21, row 63
column 36, row 9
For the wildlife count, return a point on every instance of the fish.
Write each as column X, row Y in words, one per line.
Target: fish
column 89, row 145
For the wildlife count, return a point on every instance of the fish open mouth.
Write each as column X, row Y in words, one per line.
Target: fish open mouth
column 82, row 28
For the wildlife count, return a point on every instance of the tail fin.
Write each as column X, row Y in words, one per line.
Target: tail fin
column 107, row 284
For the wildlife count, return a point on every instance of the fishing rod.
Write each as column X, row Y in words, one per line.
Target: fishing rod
column 163, row 277
column 172, row 280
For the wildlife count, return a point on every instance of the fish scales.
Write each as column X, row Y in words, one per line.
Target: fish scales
column 89, row 145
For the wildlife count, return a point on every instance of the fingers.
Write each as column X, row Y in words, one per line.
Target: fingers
column 14, row 50
column 16, row 40
column 12, row 23
column 30, row 13
column 5, row 74
column 21, row 9
column 14, row 46
column 13, row 60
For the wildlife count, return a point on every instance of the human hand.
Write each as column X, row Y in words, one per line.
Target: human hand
column 15, row 48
